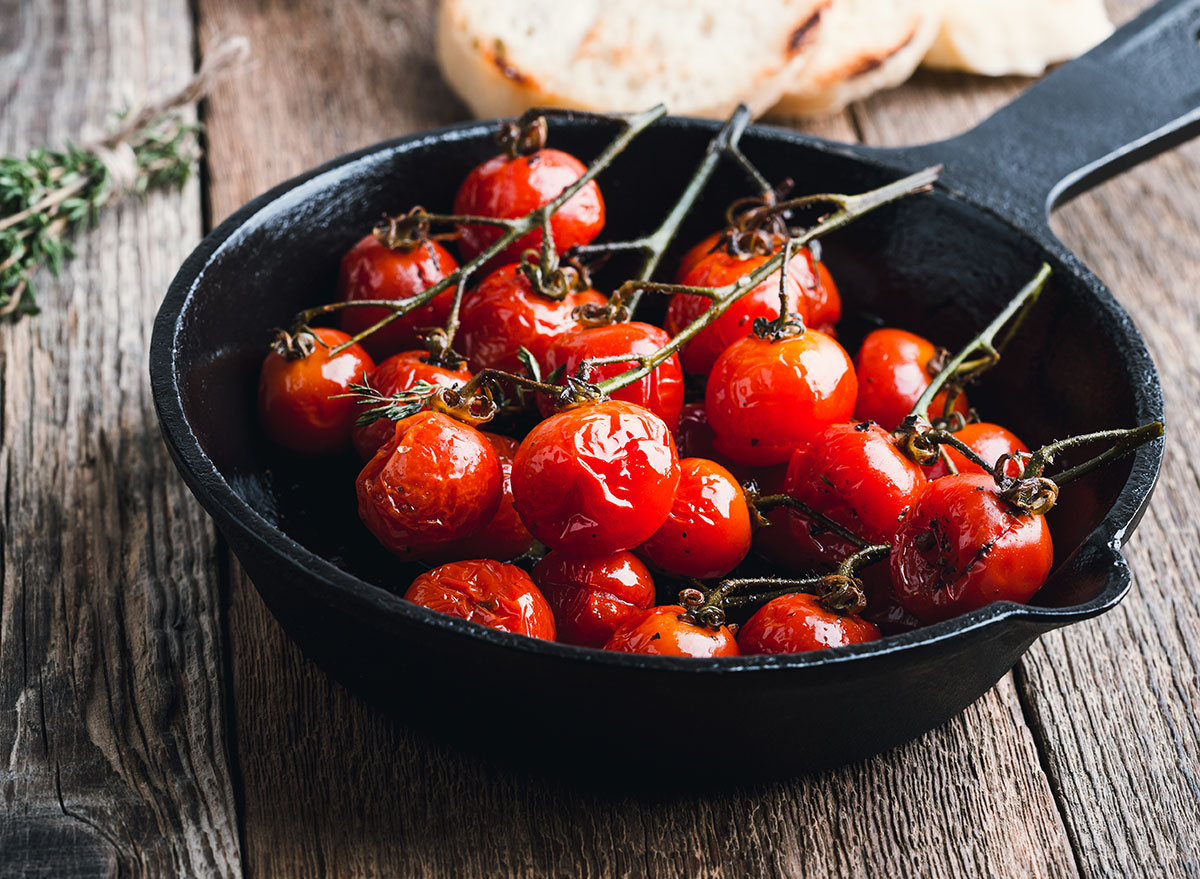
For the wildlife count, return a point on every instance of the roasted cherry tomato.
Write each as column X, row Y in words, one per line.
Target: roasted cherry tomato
column 399, row 373
column 298, row 401
column 824, row 301
column 884, row 609
column 766, row 398
column 504, row 536
column 893, row 371
column 716, row 270
column 698, row 252
column 487, row 592
column 508, row 188
column 597, row 478
column 990, row 442
column 660, row 632
column 963, row 546
column 707, row 532
column 661, row 391
column 591, row 597
column 694, row 436
column 799, row 622
column 853, row 474
column 435, row 481
column 504, row 312
column 372, row 270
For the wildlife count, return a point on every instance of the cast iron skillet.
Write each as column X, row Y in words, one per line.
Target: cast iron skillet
column 941, row 264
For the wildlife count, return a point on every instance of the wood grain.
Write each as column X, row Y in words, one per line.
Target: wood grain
column 111, row 691
column 1114, row 701
column 333, row 788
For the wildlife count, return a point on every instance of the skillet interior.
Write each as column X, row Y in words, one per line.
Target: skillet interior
column 931, row 263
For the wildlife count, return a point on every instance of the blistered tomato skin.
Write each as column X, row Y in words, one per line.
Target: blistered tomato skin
column 370, row 270
column 487, row 592
column 990, row 441
column 659, row 632
column 507, row 188
column 504, row 536
column 661, row 391
column 596, row 479
column 707, row 532
column 798, row 623
column 716, row 270
column 435, row 481
column 399, row 373
column 893, row 371
column 855, row 475
column 298, row 403
column 591, row 597
column 504, row 312
column 766, row 398
column 963, row 547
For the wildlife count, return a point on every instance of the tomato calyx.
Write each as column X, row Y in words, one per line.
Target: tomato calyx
column 522, row 136
column 296, row 344
column 405, row 232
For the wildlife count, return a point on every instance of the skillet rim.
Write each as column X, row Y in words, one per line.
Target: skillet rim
column 317, row 575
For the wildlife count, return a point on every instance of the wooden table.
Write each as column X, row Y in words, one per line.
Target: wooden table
column 155, row 719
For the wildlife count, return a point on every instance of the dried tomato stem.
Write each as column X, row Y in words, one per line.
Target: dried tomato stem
column 981, row 344
column 840, row 591
column 854, row 206
column 770, row 501
column 633, row 125
column 1124, row 442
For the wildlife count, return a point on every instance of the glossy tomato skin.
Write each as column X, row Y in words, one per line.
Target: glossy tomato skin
column 696, row 253
column 893, row 371
column 435, row 481
column 504, row 536
column 659, row 632
column 764, row 398
column 855, row 475
column 694, row 436
column 596, row 479
column 716, row 270
column 884, row 609
column 990, row 441
column 504, row 312
column 371, row 270
column 661, row 391
column 591, row 597
column 963, row 547
column 824, row 301
column 707, row 532
column 508, row 188
column 798, row 623
column 297, row 399
column 487, row 592
column 399, row 373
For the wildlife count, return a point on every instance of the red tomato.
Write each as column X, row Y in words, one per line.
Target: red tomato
column 660, row 632
column 487, row 592
column 990, row 442
column 799, row 622
column 717, row 270
column 694, row 436
column 371, row 270
column 591, row 597
column 824, row 301
column 296, row 398
column 707, row 532
column 503, row 313
column 962, row 547
column 893, row 371
column 883, row 606
column 399, row 373
column 504, row 536
column 855, row 475
column 661, row 391
column 698, row 252
column 435, row 481
column 508, row 188
column 597, row 478
column 766, row 398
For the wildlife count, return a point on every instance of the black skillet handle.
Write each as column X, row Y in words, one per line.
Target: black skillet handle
column 1132, row 97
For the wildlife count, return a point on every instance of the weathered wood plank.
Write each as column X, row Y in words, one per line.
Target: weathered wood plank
column 333, row 788
column 1114, row 702
column 111, row 692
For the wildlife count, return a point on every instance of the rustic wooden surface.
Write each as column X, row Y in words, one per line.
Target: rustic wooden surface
column 116, row 646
